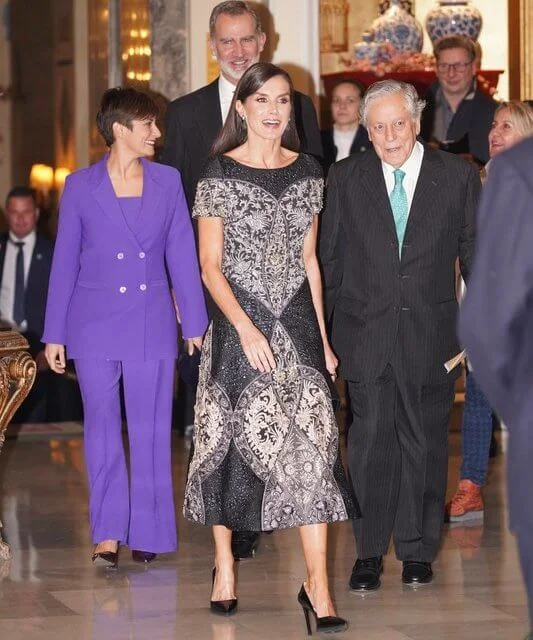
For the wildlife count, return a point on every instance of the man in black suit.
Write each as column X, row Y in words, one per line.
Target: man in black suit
column 458, row 114
column 193, row 122
column 25, row 261
column 396, row 219
column 495, row 326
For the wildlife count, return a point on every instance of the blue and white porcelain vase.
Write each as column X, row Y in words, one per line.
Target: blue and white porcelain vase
column 454, row 17
column 400, row 28
column 367, row 49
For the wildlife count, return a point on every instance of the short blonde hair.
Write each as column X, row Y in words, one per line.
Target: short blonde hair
column 520, row 114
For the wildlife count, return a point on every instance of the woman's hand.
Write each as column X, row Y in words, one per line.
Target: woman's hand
column 256, row 348
column 191, row 343
column 331, row 361
column 55, row 356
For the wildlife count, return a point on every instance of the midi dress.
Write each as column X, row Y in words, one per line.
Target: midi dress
column 266, row 445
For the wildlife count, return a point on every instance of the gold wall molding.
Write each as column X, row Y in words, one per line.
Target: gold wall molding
column 526, row 49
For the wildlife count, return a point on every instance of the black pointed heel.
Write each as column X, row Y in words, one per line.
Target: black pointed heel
column 143, row 556
column 326, row 624
column 107, row 559
column 222, row 607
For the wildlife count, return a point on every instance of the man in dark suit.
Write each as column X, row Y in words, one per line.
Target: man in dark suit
column 495, row 327
column 396, row 219
column 193, row 122
column 458, row 114
column 25, row 261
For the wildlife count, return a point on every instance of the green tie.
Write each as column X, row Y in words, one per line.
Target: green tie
column 400, row 206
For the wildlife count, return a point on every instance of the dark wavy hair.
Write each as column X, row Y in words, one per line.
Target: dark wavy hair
column 123, row 105
column 235, row 132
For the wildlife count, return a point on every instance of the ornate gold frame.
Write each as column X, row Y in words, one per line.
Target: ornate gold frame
column 520, row 49
column 17, row 375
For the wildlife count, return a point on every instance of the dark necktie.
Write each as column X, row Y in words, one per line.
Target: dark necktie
column 18, row 303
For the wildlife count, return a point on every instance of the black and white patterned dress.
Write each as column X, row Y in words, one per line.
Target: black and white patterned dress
column 266, row 445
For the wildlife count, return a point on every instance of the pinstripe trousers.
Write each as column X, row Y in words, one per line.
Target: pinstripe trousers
column 398, row 462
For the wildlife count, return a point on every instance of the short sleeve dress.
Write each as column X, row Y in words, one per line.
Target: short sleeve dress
column 266, row 445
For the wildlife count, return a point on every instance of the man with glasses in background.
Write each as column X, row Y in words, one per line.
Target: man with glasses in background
column 458, row 115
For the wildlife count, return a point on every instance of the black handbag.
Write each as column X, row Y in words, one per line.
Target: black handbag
column 189, row 366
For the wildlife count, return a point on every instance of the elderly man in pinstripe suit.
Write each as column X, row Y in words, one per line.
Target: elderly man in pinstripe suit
column 396, row 220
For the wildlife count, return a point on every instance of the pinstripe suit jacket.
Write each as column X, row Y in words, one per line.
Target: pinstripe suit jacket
column 383, row 306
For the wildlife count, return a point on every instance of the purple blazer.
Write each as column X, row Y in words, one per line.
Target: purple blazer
column 109, row 294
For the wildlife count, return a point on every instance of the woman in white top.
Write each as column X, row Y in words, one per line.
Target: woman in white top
column 347, row 135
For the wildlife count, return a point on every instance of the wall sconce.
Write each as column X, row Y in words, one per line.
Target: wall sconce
column 48, row 184
column 60, row 175
column 41, row 178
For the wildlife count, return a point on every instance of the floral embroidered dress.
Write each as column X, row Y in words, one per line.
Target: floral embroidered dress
column 266, row 445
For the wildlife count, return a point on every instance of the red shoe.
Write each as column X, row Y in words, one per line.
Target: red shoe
column 466, row 504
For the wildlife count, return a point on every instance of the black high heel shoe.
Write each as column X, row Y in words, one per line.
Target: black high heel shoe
column 143, row 556
column 222, row 607
column 107, row 559
column 326, row 624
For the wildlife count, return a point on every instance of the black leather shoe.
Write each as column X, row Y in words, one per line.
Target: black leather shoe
column 143, row 556
column 415, row 572
column 222, row 607
column 326, row 624
column 107, row 559
column 366, row 573
column 244, row 544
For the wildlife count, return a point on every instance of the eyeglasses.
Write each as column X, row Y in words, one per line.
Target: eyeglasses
column 457, row 67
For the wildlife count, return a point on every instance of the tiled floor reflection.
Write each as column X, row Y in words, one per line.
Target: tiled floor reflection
column 49, row 590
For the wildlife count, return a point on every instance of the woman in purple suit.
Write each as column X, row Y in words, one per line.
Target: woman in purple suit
column 124, row 239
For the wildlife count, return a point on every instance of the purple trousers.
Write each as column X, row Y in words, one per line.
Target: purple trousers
column 139, row 512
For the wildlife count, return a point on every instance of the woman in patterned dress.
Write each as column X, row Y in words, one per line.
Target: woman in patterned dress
column 266, row 452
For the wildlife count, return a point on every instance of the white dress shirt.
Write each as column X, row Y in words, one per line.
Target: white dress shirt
column 7, row 292
column 225, row 94
column 411, row 167
column 343, row 140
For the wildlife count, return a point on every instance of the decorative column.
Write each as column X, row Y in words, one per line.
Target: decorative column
column 169, row 47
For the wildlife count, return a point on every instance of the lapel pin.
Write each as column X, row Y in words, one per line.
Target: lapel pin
column 39, row 256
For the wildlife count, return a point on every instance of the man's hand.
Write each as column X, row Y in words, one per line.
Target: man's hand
column 55, row 356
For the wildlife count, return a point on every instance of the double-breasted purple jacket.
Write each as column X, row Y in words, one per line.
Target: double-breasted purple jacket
column 109, row 295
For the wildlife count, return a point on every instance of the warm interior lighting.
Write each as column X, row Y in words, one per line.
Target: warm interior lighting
column 41, row 177
column 135, row 31
column 60, row 175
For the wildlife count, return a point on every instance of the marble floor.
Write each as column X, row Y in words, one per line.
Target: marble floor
column 50, row 590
